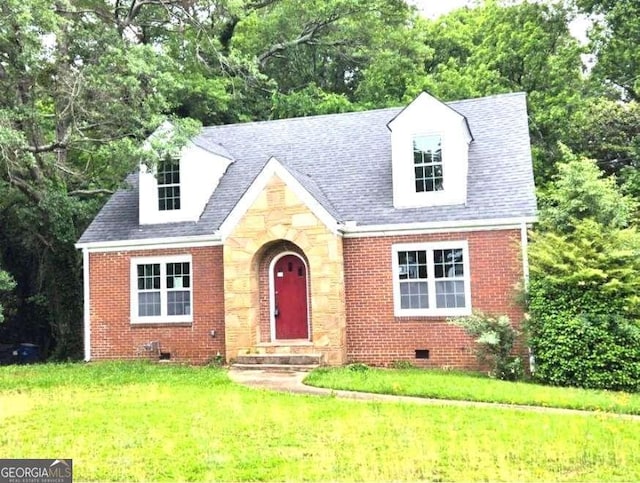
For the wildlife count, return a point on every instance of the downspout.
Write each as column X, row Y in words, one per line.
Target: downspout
column 524, row 244
column 87, row 305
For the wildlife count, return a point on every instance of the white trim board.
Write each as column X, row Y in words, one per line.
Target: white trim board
column 152, row 243
column 347, row 230
column 354, row 231
column 86, row 289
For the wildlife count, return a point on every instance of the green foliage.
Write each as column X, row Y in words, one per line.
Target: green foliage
column 580, row 191
column 591, row 265
column 615, row 38
column 6, row 284
column 608, row 131
column 584, row 290
column 495, row 338
column 402, row 364
column 585, row 348
column 309, row 101
column 358, row 367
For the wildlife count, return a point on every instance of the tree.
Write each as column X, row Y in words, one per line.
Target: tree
column 495, row 49
column 615, row 38
column 82, row 95
column 584, row 283
column 6, row 284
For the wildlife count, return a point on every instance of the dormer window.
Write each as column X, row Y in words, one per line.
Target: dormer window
column 169, row 185
column 427, row 160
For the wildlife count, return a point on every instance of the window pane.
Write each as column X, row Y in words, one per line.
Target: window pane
column 178, row 275
column 412, row 265
column 178, row 303
column 448, row 263
column 427, row 158
column 148, row 304
column 169, row 186
column 450, row 294
column 148, row 276
column 414, row 295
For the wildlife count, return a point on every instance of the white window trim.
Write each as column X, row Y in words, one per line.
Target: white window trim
column 173, row 161
column 432, row 311
column 442, row 163
column 163, row 317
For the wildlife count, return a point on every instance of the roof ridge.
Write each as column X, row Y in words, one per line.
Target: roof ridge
column 301, row 118
column 492, row 96
column 356, row 112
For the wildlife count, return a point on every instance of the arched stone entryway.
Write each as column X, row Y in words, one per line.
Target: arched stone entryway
column 282, row 265
column 276, row 222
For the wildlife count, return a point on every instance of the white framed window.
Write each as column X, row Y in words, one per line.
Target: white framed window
column 162, row 289
column 427, row 163
column 169, row 185
column 431, row 279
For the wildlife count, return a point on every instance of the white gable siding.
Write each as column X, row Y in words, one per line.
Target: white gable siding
column 200, row 173
column 428, row 116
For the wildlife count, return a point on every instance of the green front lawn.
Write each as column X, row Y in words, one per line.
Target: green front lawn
column 469, row 387
column 132, row 422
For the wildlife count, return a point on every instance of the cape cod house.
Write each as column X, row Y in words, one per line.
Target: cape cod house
column 351, row 236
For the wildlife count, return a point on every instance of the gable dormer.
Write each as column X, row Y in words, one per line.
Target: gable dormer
column 178, row 188
column 429, row 154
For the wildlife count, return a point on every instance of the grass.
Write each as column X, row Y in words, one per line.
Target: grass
column 470, row 387
column 133, row 422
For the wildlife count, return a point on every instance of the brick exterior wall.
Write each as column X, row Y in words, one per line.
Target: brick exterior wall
column 376, row 336
column 114, row 337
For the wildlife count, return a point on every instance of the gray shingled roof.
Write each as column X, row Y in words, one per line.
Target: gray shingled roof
column 344, row 161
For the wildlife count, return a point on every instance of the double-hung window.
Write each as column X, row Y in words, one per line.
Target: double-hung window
column 427, row 163
column 431, row 279
column 169, row 185
column 161, row 289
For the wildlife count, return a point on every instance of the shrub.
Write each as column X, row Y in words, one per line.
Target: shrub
column 495, row 337
column 596, row 351
column 402, row 364
column 584, row 290
column 358, row 367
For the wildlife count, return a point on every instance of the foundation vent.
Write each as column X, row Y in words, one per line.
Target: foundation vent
column 422, row 353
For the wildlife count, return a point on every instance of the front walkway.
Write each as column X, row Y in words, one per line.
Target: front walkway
column 291, row 381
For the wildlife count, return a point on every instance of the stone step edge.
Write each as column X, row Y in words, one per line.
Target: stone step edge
column 276, row 367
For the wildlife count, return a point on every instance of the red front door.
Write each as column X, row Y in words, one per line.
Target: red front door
column 290, row 290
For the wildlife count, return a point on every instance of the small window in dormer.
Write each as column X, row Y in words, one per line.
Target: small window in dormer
column 169, row 185
column 427, row 160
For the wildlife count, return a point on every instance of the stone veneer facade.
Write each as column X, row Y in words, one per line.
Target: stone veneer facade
column 278, row 220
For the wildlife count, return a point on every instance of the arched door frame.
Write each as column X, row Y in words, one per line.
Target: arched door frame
column 272, row 294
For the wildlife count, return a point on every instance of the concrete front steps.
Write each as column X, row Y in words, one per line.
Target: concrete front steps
column 278, row 362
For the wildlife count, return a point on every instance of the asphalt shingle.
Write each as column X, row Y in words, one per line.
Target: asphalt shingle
column 344, row 161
